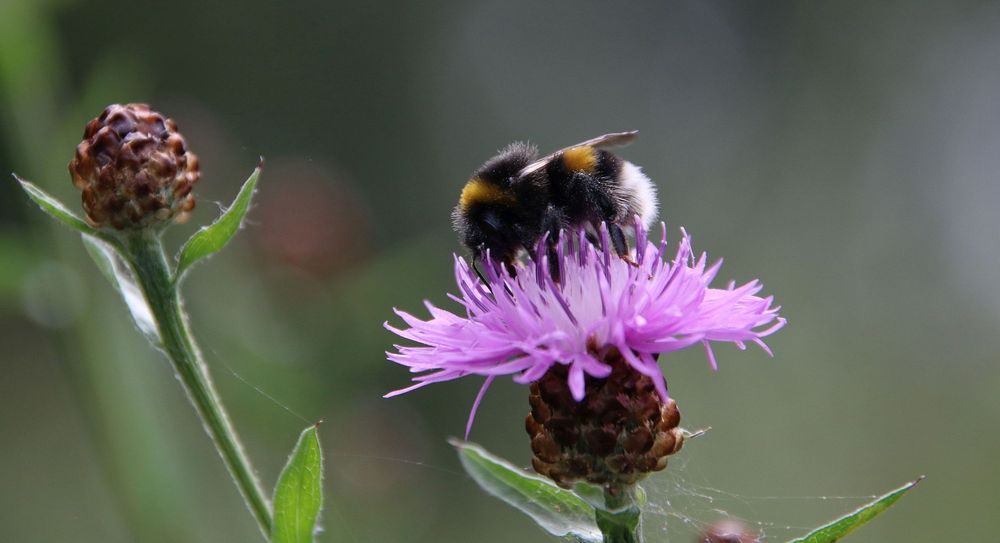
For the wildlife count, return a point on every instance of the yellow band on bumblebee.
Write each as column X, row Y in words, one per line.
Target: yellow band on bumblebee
column 580, row 159
column 477, row 191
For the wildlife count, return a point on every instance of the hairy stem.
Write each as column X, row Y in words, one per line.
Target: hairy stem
column 620, row 520
column 153, row 274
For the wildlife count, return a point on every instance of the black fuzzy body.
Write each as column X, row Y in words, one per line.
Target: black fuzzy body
column 586, row 197
column 524, row 207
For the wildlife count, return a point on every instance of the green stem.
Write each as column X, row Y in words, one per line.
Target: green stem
column 620, row 520
column 153, row 274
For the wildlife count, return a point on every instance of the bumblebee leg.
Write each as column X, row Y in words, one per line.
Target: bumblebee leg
column 510, row 269
column 619, row 244
column 552, row 223
column 553, row 260
column 607, row 211
column 475, row 268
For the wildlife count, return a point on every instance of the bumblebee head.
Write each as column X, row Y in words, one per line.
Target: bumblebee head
column 488, row 214
column 488, row 224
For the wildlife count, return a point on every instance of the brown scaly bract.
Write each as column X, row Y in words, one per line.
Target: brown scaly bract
column 620, row 431
column 134, row 169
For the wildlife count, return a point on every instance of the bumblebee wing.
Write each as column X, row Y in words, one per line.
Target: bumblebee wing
column 614, row 139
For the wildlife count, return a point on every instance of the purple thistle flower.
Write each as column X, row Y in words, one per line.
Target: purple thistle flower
column 524, row 324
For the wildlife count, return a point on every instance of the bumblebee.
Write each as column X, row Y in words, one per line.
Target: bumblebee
column 516, row 198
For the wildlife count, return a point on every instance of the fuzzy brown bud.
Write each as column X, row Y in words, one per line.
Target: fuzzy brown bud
column 134, row 169
column 621, row 430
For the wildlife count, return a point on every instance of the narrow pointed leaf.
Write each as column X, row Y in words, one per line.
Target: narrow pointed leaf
column 298, row 496
column 558, row 511
column 212, row 238
column 116, row 270
column 101, row 254
column 55, row 208
column 836, row 530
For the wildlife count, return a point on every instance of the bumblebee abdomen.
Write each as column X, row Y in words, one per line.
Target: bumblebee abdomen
column 638, row 194
column 581, row 180
column 596, row 185
column 583, row 158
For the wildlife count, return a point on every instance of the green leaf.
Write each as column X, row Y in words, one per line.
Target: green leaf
column 103, row 256
column 116, row 270
column 836, row 530
column 298, row 496
column 55, row 208
column 211, row 239
column 558, row 511
column 104, row 250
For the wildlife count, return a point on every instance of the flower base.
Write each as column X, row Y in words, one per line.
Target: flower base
column 621, row 430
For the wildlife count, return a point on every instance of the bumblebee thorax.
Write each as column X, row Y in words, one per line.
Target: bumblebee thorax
column 478, row 191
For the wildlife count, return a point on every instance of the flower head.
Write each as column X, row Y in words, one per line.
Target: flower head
column 525, row 324
column 134, row 169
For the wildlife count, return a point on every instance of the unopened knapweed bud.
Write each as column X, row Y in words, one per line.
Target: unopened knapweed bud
column 619, row 432
column 134, row 169
column 728, row 531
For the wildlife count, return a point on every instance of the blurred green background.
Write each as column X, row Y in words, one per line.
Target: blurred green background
column 845, row 153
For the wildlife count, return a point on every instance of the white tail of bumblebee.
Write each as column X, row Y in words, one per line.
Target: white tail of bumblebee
column 641, row 193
